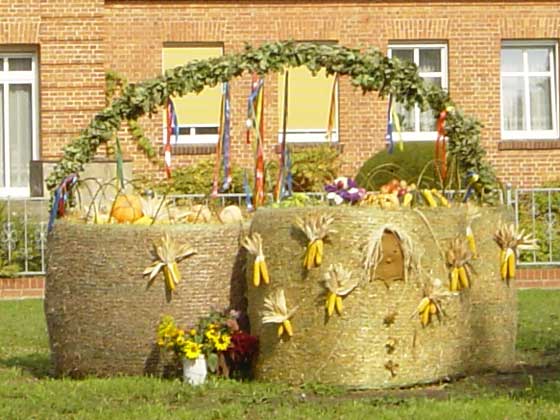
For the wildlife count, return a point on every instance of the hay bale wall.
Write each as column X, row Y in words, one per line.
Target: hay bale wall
column 477, row 333
column 101, row 318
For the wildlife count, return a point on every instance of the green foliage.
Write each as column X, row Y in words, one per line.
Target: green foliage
column 312, row 168
column 408, row 165
column 370, row 70
column 193, row 179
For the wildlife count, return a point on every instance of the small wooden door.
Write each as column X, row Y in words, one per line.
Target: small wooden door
column 391, row 267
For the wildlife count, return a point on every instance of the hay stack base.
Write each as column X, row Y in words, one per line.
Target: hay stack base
column 377, row 341
column 102, row 319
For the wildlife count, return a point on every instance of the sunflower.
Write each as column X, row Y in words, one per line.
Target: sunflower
column 222, row 342
column 192, row 350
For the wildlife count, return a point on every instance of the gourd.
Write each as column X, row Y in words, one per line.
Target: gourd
column 127, row 209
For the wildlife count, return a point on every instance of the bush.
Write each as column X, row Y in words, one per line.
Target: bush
column 312, row 168
column 406, row 165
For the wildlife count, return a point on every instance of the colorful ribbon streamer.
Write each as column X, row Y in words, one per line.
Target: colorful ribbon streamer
column 332, row 109
column 172, row 129
column 393, row 125
column 441, row 153
column 224, row 143
column 256, row 123
column 60, row 198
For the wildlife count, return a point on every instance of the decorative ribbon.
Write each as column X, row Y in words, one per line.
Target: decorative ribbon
column 119, row 158
column 441, row 153
column 256, row 122
column 172, row 128
column 60, row 198
column 256, row 85
column 389, row 131
column 223, row 145
column 332, row 110
column 279, row 187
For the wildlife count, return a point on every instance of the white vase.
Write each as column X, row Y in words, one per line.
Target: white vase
column 194, row 370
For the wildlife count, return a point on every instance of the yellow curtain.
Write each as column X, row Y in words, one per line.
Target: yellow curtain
column 309, row 99
column 195, row 109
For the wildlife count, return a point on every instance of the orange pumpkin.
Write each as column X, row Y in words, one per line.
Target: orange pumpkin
column 127, row 209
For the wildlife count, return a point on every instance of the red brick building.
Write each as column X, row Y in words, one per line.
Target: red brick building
column 499, row 61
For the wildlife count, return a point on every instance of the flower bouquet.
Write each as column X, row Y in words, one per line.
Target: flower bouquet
column 344, row 189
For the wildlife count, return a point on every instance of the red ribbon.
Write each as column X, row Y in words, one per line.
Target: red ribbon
column 441, row 153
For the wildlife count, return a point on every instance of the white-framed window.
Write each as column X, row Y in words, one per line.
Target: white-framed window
column 198, row 115
column 309, row 106
column 431, row 59
column 529, row 95
column 19, row 115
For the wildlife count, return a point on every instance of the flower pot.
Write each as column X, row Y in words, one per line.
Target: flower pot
column 194, row 370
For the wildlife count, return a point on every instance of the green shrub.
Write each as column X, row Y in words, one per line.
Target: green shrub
column 312, row 168
column 406, row 165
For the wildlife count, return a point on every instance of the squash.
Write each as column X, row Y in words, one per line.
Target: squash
column 127, row 209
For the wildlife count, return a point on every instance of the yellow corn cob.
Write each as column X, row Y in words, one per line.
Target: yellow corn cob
column 425, row 317
column 288, row 327
column 463, row 277
column 433, row 308
column 407, row 200
column 454, row 286
column 319, row 253
column 511, row 265
column 471, row 241
column 339, row 305
column 168, row 279
column 280, row 330
column 503, row 265
column 442, row 198
column 331, row 302
column 175, row 273
column 311, row 252
column 306, row 257
column 256, row 273
column 264, row 271
column 422, row 305
column 429, row 198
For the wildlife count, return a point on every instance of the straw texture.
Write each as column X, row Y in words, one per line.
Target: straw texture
column 101, row 318
column 376, row 343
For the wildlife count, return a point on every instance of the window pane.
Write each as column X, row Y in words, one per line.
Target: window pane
column 2, row 174
column 430, row 60
column 539, row 59
column 406, row 117
column 406, row 54
column 512, row 59
column 20, row 134
column 19, row 64
column 513, row 103
column 427, row 118
column 541, row 107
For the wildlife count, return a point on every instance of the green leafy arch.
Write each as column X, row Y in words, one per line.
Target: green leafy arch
column 369, row 70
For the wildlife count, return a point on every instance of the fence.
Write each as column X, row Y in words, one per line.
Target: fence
column 23, row 226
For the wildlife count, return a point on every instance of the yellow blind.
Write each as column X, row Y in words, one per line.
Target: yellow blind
column 309, row 99
column 194, row 109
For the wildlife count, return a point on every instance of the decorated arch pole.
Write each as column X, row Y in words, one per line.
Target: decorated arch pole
column 369, row 70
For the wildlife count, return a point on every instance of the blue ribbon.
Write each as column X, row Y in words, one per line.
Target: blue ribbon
column 226, row 138
column 248, row 192
column 389, row 132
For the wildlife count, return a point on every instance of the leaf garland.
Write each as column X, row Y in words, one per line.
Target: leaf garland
column 370, row 70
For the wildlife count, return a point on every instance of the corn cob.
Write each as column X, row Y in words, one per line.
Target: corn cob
column 441, row 197
column 422, row 305
column 433, row 308
column 511, row 265
column 280, row 330
column 429, row 198
column 288, row 327
column 331, row 301
column 338, row 305
column 454, row 280
column 503, row 265
column 256, row 273
column 407, row 200
column 264, row 270
column 463, row 278
column 319, row 252
column 425, row 316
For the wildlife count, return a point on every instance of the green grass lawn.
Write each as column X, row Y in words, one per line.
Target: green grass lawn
column 27, row 391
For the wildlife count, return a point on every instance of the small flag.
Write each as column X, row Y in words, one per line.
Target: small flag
column 172, row 129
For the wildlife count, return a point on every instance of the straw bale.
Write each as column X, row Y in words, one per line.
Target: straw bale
column 102, row 319
column 477, row 333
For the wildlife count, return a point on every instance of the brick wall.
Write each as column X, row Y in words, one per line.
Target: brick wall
column 78, row 40
column 136, row 32
column 68, row 36
column 22, row 287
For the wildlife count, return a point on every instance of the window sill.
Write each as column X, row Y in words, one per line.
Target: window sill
column 309, row 145
column 191, row 149
column 528, row 144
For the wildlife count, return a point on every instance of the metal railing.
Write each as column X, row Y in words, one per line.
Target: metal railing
column 537, row 211
column 23, row 236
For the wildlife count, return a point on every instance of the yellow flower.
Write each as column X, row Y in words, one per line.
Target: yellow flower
column 222, row 342
column 211, row 335
column 192, row 350
column 192, row 332
column 180, row 340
